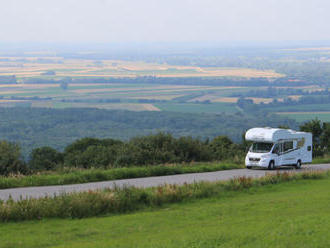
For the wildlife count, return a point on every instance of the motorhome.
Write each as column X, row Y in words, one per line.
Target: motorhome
column 275, row 147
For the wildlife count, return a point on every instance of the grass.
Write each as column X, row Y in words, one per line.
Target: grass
column 290, row 214
column 198, row 108
column 128, row 199
column 321, row 160
column 74, row 176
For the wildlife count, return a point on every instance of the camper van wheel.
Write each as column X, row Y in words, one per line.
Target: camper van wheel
column 298, row 165
column 271, row 165
column 249, row 167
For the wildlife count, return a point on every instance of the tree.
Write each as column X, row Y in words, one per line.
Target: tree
column 89, row 152
column 10, row 159
column 314, row 127
column 45, row 158
column 222, row 147
column 325, row 138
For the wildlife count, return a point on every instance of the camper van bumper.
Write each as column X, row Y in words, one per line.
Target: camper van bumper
column 261, row 163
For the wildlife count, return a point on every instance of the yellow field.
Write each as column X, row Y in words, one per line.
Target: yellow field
column 226, row 99
column 33, row 67
column 156, row 97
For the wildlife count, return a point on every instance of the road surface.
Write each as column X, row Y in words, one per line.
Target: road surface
column 37, row 192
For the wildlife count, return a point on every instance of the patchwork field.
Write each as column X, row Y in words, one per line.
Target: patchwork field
column 293, row 214
column 215, row 108
column 130, row 95
column 135, row 97
column 25, row 67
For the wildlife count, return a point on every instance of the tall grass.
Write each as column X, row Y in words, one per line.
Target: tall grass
column 120, row 200
column 322, row 160
column 73, row 176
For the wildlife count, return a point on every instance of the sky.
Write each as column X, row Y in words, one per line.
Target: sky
column 163, row 20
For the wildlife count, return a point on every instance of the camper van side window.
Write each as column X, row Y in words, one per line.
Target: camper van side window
column 309, row 148
column 300, row 143
column 288, row 145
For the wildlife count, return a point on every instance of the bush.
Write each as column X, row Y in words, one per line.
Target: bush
column 91, row 152
column 45, row 158
column 10, row 159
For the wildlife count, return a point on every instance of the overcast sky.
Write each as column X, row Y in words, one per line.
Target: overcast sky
column 163, row 20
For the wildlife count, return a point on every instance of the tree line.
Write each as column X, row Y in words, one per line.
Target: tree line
column 161, row 148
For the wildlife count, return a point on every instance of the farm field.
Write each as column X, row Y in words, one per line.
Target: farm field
column 290, row 214
column 305, row 116
column 215, row 108
column 303, row 108
column 25, row 67
column 113, row 96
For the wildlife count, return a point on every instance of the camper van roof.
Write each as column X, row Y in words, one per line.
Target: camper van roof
column 268, row 134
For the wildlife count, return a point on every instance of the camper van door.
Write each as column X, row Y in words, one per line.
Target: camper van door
column 288, row 155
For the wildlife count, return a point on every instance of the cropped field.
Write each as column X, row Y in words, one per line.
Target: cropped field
column 132, row 97
column 198, row 107
column 306, row 116
column 24, row 67
column 290, row 214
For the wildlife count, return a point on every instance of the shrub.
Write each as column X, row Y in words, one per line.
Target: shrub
column 89, row 152
column 10, row 159
column 45, row 158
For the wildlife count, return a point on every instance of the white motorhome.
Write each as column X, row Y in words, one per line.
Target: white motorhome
column 274, row 147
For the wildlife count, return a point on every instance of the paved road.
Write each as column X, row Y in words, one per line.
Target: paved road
column 37, row 192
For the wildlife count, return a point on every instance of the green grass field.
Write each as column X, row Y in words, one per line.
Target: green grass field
column 291, row 214
column 301, row 117
column 302, row 108
column 198, row 108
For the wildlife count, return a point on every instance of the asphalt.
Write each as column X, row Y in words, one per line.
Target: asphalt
column 37, row 192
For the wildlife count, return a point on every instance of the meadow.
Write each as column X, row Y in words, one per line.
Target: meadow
column 293, row 213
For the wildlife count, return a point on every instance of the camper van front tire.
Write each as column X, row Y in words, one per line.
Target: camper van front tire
column 271, row 165
column 298, row 165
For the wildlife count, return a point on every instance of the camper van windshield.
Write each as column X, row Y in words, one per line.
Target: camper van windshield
column 261, row 147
